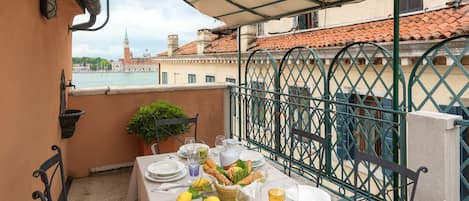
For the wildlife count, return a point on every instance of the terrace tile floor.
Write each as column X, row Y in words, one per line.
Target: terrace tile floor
column 107, row 186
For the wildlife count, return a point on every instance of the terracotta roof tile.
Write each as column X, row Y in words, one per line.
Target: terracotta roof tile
column 439, row 24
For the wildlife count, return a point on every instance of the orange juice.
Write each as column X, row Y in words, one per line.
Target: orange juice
column 276, row 194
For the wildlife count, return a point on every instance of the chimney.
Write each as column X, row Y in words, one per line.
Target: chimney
column 173, row 44
column 248, row 37
column 204, row 37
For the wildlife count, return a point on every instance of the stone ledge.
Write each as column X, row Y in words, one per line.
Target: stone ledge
column 110, row 90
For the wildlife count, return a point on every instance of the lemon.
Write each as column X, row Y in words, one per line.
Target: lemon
column 200, row 183
column 212, row 198
column 184, row 196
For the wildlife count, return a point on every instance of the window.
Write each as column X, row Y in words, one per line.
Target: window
column 299, row 108
column 360, row 128
column 407, row 6
column 258, row 103
column 230, row 80
column 260, row 29
column 164, row 78
column 307, row 21
column 209, row 78
column 191, row 79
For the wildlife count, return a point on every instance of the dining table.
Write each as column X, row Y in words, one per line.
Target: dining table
column 142, row 189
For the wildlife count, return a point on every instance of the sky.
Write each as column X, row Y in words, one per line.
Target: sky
column 148, row 24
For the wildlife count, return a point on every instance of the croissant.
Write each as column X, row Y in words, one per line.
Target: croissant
column 210, row 163
column 249, row 164
column 220, row 177
column 249, row 179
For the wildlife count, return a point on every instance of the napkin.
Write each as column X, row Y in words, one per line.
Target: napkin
column 252, row 191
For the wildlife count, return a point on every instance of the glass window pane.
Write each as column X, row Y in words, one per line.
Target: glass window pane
column 164, row 78
column 209, row 78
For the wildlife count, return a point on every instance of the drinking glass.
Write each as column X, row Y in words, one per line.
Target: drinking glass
column 188, row 145
column 275, row 191
column 219, row 143
column 203, row 154
column 193, row 163
column 189, row 140
column 276, row 194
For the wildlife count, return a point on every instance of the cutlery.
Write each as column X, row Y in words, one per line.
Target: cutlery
column 166, row 188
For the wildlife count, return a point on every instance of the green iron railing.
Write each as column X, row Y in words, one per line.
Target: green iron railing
column 352, row 105
column 439, row 82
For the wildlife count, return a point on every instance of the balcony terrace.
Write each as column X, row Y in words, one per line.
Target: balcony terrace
column 361, row 102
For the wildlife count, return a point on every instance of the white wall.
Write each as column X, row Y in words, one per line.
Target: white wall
column 349, row 14
column 178, row 73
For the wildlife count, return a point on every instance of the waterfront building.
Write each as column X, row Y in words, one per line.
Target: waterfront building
column 81, row 67
column 134, row 64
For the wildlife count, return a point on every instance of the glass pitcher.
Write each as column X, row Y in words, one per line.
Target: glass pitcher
column 230, row 153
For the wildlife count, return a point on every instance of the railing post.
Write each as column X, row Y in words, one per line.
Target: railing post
column 328, row 126
column 433, row 142
column 239, row 82
column 395, row 92
column 277, row 112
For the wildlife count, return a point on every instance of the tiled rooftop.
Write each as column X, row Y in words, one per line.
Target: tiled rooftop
column 439, row 24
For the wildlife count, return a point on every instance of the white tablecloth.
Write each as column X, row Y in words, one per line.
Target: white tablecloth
column 141, row 189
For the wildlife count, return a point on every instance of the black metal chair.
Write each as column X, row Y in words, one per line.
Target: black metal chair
column 313, row 140
column 166, row 122
column 53, row 162
column 408, row 177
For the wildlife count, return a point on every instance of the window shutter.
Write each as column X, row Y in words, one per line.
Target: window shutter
column 344, row 127
column 387, row 130
column 302, row 24
column 387, row 133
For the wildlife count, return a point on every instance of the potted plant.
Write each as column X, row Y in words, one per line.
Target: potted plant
column 143, row 124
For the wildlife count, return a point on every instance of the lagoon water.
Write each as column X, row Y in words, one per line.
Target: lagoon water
column 101, row 79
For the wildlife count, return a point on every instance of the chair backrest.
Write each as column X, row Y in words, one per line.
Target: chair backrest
column 54, row 162
column 166, row 122
column 317, row 141
column 407, row 177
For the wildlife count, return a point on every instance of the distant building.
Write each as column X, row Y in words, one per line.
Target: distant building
column 81, row 68
column 212, row 57
column 134, row 64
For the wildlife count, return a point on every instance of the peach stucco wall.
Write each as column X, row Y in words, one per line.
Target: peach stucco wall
column 101, row 138
column 33, row 51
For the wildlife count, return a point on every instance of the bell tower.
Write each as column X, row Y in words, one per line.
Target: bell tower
column 127, row 54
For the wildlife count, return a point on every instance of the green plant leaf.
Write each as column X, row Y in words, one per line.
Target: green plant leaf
column 221, row 171
column 195, row 193
column 143, row 121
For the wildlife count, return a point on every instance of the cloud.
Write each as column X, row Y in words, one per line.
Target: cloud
column 148, row 23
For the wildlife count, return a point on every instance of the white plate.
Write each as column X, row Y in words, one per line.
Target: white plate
column 251, row 155
column 182, row 175
column 166, row 177
column 307, row 193
column 258, row 164
column 165, row 168
column 183, row 148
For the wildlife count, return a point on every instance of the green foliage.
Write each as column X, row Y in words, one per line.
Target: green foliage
column 143, row 124
column 96, row 63
column 240, row 174
column 200, row 193
column 221, row 171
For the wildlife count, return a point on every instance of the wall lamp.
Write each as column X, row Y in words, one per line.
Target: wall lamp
column 94, row 8
column 48, row 8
